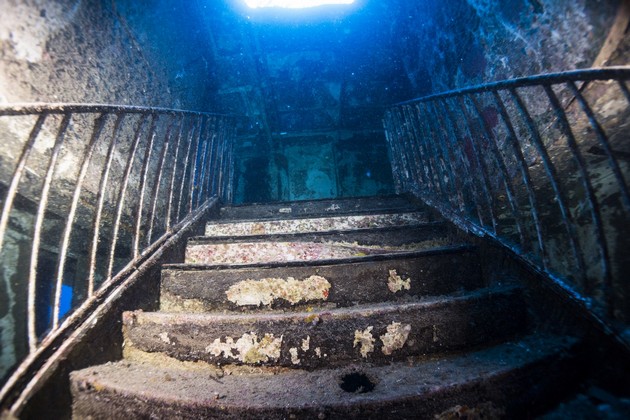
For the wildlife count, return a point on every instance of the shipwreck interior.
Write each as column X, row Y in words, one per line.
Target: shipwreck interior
column 500, row 129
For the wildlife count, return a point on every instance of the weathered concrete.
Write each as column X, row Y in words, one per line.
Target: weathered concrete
column 318, row 224
column 192, row 288
column 515, row 380
column 430, row 325
column 312, row 208
column 321, row 246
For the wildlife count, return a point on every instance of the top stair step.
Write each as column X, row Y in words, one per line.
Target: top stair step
column 314, row 224
column 301, row 209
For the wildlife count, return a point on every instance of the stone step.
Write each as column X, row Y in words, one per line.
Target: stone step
column 313, row 224
column 199, row 288
column 309, row 246
column 326, row 207
column 517, row 379
column 374, row 333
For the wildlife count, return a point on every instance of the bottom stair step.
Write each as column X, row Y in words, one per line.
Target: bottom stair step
column 514, row 379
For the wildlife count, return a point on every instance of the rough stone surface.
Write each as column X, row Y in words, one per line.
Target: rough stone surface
column 321, row 224
column 399, row 330
column 192, row 288
column 321, row 246
column 504, row 374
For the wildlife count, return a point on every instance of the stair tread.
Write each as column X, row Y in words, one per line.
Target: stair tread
column 196, row 388
column 378, row 332
column 200, row 288
column 324, row 207
column 310, row 246
column 217, row 228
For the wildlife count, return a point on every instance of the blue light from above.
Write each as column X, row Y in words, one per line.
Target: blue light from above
column 293, row 4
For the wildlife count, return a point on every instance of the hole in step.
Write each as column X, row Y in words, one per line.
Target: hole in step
column 356, row 382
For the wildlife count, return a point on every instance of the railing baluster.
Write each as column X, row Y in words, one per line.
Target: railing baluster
column 456, row 141
column 207, row 144
column 395, row 155
column 17, row 176
column 158, row 178
column 191, row 133
column 430, row 165
column 171, row 187
column 481, row 164
column 99, row 123
column 512, row 139
column 121, row 195
column 603, row 141
column 567, row 218
column 588, row 188
column 143, row 184
column 498, row 159
column 194, row 170
column 37, row 231
column 449, row 157
column 438, row 160
column 96, row 226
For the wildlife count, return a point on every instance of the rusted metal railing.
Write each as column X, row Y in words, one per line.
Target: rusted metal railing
column 87, row 192
column 540, row 163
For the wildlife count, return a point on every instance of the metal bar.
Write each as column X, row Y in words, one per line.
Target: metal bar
column 418, row 174
column 37, row 231
column 590, row 193
column 122, row 193
column 143, row 184
column 603, row 141
column 76, row 108
column 194, row 187
column 96, row 226
column 99, row 123
column 217, row 160
column 500, row 162
column 512, row 139
column 422, row 167
column 191, row 133
column 450, row 156
column 431, row 171
column 207, row 156
column 171, row 188
column 613, row 72
column 567, row 218
column 221, row 164
column 438, row 162
column 481, row 164
column 17, row 176
column 158, row 179
column 391, row 141
column 392, row 152
column 456, row 143
column 402, row 152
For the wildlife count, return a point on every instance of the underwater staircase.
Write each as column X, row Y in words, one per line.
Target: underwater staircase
column 331, row 309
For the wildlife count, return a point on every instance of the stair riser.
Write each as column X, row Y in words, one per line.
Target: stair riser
column 317, row 339
column 290, row 226
column 351, row 283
